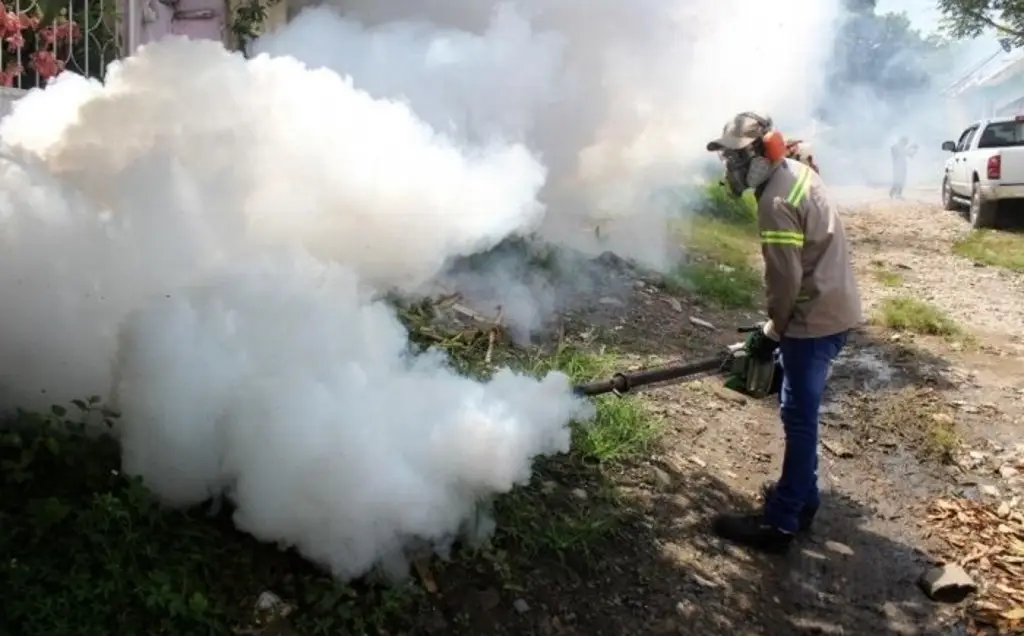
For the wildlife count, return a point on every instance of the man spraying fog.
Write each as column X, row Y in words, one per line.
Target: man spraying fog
column 813, row 302
column 901, row 151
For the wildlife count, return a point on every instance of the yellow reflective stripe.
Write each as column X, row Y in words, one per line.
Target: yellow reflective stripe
column 780, row 237
column 799, row 189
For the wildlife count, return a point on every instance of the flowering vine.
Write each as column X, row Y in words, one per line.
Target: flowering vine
column 16, row 25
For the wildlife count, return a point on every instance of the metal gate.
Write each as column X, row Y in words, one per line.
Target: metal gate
column 84, row 36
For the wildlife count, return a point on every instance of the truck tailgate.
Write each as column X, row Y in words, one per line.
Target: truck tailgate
column 1012, row 165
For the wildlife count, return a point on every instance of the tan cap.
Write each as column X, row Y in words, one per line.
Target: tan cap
column 739, row 133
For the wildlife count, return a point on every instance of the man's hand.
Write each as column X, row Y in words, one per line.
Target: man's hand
column 764, row 342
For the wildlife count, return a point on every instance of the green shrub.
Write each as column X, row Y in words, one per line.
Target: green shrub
column 719, row 203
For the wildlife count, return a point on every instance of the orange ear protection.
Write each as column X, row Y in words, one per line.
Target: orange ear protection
column 773, row 144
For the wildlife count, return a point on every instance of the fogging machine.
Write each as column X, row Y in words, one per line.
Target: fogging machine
column 744, row 373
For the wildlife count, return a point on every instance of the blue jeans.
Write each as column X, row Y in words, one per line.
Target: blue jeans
column 805, row 365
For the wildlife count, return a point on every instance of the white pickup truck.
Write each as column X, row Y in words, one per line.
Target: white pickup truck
column 986, row 172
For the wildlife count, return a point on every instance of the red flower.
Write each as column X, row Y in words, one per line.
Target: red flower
column 10, row 72
column 46, row 64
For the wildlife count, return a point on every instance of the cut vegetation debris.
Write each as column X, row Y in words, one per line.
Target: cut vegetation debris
column 914, row 418
column 988, row 542
column 994, row 248
column 912, row 315
column 91, row 552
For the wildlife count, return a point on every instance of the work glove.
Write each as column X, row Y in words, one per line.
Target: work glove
column 764, row 342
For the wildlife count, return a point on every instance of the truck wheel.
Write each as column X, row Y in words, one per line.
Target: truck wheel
column 982, row 213
column 948, row 202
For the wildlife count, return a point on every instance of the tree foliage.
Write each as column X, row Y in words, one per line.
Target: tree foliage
column 883, row 51
column 878, row 56
column 970, row 18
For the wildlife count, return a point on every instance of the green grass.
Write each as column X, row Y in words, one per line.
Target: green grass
column 572, row 506
column 887, row 278
column 622, row 428
column 721, row 243
column 93, row 553
column 85, row 550
column 909, row 314
column 884, row 276
column 719, row 203
column 993, row 248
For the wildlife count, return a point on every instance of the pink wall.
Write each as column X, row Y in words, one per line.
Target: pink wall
column 193, row 18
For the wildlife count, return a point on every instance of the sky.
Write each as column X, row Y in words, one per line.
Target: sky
column 923, row 13
column 925, row 16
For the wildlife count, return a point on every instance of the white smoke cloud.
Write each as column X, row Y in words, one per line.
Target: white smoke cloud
column 278, row 383
column 617, row 98
column 199, row 239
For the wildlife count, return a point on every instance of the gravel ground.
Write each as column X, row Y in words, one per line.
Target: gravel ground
column 882, row 463
column 857, row 574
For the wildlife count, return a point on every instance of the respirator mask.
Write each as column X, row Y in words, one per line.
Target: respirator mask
column 745, row 168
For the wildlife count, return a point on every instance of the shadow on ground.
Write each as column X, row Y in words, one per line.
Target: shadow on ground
column 664, row 573
column 661, row 572
column 875, row 360
column 588, row 548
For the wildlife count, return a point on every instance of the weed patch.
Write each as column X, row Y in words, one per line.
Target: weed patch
column 92, row 552
column 571, row 507
column 885, row 276
column 720, row 204
column 721, row 247
column 909, row 314
column 993, row 248
column 918, row 418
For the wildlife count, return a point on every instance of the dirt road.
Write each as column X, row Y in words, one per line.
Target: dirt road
column 908, row 419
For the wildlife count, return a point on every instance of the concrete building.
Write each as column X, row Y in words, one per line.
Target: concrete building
column 994, row 88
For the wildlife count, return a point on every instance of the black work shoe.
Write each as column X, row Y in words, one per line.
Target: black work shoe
column 753, row 532
column 806, row 516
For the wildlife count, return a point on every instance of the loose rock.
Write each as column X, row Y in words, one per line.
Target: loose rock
column 836, row 449
column 948, row 583
column 686, row 609
column 702, row 323
column 703, row 582
column 988, row 491
column 268, row 602
column 661, row 478
column 839, row 548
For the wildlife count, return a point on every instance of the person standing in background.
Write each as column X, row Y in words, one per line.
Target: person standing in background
column 901, row 151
